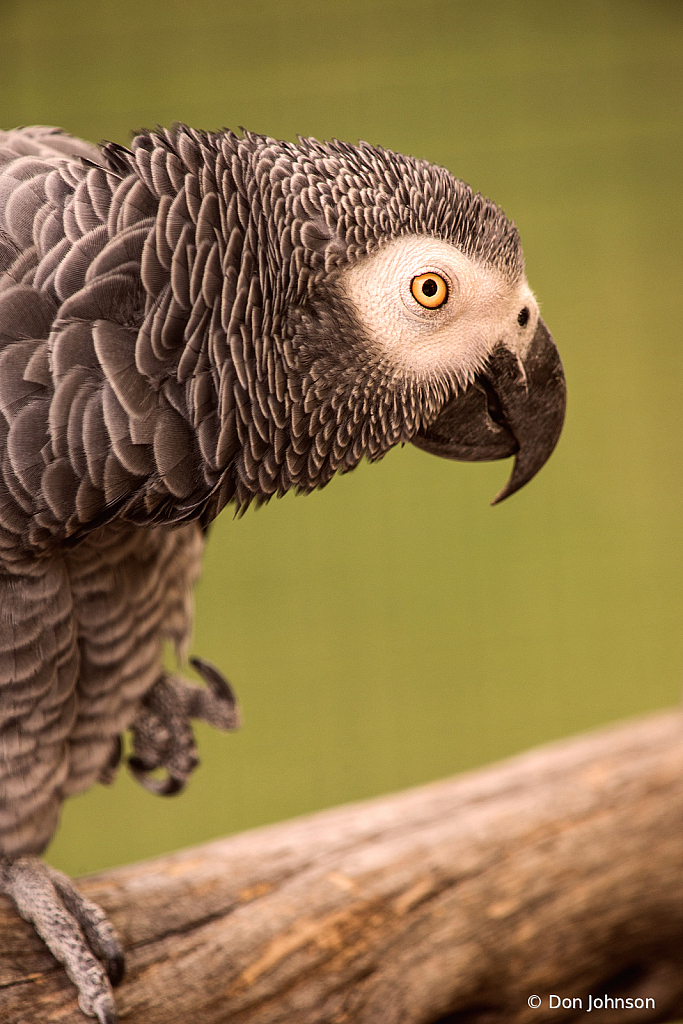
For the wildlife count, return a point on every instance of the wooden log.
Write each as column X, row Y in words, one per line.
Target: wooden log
column 558, row 872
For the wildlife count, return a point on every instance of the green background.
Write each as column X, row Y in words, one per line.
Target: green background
column 394, row 628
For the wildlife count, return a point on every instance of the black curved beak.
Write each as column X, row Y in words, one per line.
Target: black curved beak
column 515, row 407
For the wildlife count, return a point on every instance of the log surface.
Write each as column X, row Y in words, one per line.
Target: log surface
column 559, row 871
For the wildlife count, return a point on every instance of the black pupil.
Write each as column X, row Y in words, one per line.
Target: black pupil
column 430, row 287
column 523, row 317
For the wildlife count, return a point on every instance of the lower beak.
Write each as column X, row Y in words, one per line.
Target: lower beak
column 514, row 407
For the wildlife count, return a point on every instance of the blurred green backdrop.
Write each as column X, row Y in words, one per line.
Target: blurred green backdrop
column 395, row 628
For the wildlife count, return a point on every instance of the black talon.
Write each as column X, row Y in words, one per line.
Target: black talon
column 215, row 680
column 169, row 786
column 115, row 966
column 109, row 1017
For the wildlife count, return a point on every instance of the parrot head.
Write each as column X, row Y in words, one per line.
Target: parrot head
column 405, row 314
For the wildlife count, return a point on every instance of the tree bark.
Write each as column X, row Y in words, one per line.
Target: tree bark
column 558, row 872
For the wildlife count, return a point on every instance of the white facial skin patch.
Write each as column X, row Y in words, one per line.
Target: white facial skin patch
column 481, row 308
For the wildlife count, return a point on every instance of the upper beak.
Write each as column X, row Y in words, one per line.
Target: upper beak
column 515, row 407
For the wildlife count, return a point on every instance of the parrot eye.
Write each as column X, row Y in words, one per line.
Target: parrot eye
column 430, row 290
column 523, row 316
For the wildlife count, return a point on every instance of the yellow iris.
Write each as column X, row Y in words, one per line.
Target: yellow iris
column 430, row 290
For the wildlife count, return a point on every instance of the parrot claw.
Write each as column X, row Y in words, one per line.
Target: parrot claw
column 218, row 706
column 142, row 773
column 218, row 684
column 163, row 736
column 74, row 929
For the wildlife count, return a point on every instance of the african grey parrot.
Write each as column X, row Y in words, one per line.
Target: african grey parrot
column 203, row 320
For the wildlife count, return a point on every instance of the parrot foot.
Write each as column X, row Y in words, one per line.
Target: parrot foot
column 162, row 733
column 75, row 930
